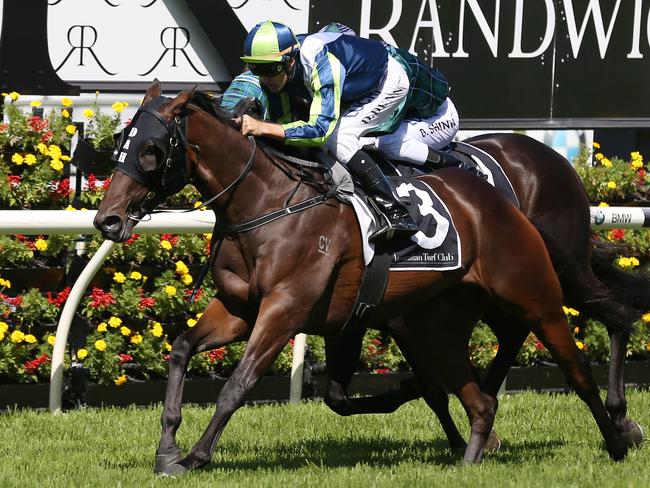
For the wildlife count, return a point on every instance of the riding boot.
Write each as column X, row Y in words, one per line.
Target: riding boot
column 379, row 188
column 440, row 159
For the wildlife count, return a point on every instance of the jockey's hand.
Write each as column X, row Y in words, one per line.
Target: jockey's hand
column 254, row 127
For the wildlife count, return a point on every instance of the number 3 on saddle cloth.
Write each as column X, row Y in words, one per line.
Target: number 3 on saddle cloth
column 436, row 247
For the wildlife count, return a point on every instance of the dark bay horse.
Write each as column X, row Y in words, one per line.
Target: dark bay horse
column 552, row 196
column 279, row 283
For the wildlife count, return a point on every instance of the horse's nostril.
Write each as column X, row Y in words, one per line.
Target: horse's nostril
column 111, row 223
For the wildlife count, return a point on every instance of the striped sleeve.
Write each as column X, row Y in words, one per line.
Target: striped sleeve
column 327, row 80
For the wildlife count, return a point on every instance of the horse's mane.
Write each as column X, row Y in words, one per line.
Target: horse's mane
column 210, row 104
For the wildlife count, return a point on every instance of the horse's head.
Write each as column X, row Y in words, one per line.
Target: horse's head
column 151, row 164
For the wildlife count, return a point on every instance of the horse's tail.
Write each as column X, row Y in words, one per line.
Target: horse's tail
column 594, row 291
column 630, row 289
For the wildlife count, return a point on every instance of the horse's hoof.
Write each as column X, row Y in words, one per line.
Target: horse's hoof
column 493, row 442
column 165, row 460
column 633, row 433
column 172, row 470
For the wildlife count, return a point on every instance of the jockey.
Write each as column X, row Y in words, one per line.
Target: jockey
column 358, row 87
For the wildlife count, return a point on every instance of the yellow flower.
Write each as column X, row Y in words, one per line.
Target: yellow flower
column 51, row 340
column 65, row 114
column 596, row 145
column 17, row 158
column 119, row 277
column 156, row 329
column 170, row 290
column 67, row 102
column 125, row 331
column 580, row 345
column 637, row 164
column 120, row 380
column 30, row 159
column 119, row 106
column 611, row 184
column 35, row 103
column 187, row 279
column 168, row 346
column 82, row 353
column 568, row 311
column 599, row 156
column 115, row 322
column 102, row 327
column 198, row 204
column 181, row 268
column 166, row 245
column 4, row 327
column 40, row 244
column 65, row 158
column 199, row 315
column 636, row 156
column 89, row 114
column 135, row 275
column 603, row 204
column 56, row 165
column 30, row 339
column 100, row 345
column 136, row 339
column 54, row 151
column 5, row 283
column 634, row 262
column 70, row 207
column 71, row 128
column 14, row 96
column 42, row 148
column 645, row 318
column 606, row 162
column 2, row 336
column 191, row 322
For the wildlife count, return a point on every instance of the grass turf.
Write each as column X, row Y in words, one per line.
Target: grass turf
column 548, row 440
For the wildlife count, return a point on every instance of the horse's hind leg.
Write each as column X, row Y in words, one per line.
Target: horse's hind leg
column 434, row 340
column 215, row 328
column 342, row 356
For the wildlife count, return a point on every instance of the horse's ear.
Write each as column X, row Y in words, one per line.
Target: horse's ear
column 153, row 91
column 177, row 105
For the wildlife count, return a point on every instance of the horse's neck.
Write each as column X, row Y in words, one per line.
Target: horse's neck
column 225, row 155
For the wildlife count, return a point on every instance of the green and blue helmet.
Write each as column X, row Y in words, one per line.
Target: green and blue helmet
column 269, row 42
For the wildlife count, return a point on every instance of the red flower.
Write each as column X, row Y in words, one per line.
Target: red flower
column 47, row 136
column 101, row 299
column 31, row 367
column 170, row 237
column 199, row 293
column 107, row 183
column 4, row 127
column 147, row 302
column 14, row 180
column 641, row 176
column 60, row 298
column 217, row 354
column 382, row 370
column 132, row 239
column 125, row 358
column 37, row 123
column 63, row 188
column 539, row 345
column 91, row 184
column 617, row 234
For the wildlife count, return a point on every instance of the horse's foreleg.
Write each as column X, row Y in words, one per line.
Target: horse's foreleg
column 342, row 356
column 275, row 325
column 615, row 401
column 215, row 328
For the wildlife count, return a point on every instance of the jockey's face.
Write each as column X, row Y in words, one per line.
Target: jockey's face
column 275, row 83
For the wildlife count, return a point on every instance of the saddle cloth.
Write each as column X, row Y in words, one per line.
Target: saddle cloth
column 436, row 247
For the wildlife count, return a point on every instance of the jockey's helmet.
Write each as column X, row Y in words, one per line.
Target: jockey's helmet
column 270, row 43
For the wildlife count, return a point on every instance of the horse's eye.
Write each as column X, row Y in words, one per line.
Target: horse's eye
column 150, row 157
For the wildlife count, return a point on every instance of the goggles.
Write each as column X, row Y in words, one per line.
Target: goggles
column 266, row 69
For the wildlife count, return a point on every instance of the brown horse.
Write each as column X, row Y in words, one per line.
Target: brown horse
column 552, row 196
column 280, row 284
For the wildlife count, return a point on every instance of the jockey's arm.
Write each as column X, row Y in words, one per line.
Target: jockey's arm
column 256, row 127
column 327, row 80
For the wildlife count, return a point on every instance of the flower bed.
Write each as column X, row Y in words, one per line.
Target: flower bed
column 137, row 304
